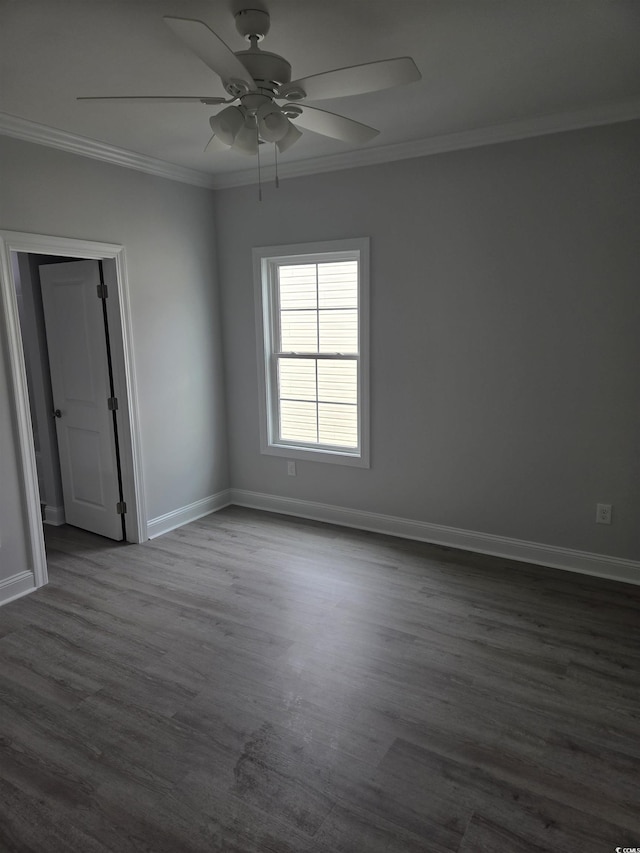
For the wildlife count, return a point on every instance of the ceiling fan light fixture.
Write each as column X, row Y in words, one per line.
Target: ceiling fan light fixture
column 227, row 124
column 272, row 124
column 291, row 137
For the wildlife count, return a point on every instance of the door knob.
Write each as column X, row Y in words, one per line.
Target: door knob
column 57, row 413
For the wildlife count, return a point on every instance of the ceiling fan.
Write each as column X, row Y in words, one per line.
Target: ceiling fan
column 256, row 81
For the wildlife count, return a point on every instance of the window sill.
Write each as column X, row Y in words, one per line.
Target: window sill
column 333, row 457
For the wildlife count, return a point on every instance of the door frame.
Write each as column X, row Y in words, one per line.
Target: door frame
column 121, row 333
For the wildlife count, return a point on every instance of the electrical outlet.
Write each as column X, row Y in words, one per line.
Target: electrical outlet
column 291, row 469
column 603, row 513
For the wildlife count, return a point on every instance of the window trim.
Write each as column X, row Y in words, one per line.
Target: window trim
column 265, row 258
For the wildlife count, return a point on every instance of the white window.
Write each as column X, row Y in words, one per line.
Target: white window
column 313, row 350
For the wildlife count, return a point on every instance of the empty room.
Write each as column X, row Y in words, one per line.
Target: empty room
column 319, row 426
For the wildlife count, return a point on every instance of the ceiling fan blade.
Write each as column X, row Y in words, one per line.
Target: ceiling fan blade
column 358, row 79
column 210, row 48
column 335, row 126
column 153, row 99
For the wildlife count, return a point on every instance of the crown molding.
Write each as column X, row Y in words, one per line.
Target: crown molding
column 41, row 134
column 490, row 135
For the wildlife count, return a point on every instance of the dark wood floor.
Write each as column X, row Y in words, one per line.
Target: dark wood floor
column 256, row 683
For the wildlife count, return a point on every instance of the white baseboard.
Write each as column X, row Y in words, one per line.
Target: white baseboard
column 16, row 586
column 583, row 562
column 54, row 515
column 170, row 520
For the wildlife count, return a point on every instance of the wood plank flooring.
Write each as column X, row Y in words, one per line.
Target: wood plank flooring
column 256, row 683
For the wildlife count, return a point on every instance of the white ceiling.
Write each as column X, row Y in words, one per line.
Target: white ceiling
column 483, row 63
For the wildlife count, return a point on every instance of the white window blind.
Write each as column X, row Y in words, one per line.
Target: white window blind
column 317, row 335
column 311, row 335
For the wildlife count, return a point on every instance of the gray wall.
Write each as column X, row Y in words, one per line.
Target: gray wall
column 505, row 382
column 168, row 231
column 505, row 316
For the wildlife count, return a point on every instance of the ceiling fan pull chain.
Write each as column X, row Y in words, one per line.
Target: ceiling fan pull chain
column 259, row 175
column 275, row 148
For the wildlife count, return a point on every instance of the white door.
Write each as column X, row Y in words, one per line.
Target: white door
column 77, row 347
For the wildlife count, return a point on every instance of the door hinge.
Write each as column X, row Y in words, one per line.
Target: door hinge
column 112, row 404
column 121, row 507
column 103, row 291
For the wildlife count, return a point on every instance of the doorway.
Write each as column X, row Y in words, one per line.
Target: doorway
column 74, row 409
column 117, row 314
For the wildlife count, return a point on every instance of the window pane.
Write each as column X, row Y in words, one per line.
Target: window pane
column 338, row 425
column 298, row 421
column 338, row 381
column 298, row 286
column 339, row 331
column 338, row 285
column 310, row 365
column 299, row 331
column 297, row 378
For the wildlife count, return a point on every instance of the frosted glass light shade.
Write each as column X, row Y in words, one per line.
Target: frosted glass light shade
column 227, row 124
column 272, row 123
column 292, row 135
column 246, row 141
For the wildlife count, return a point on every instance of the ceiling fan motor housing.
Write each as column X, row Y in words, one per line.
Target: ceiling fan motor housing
column 268, row 69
